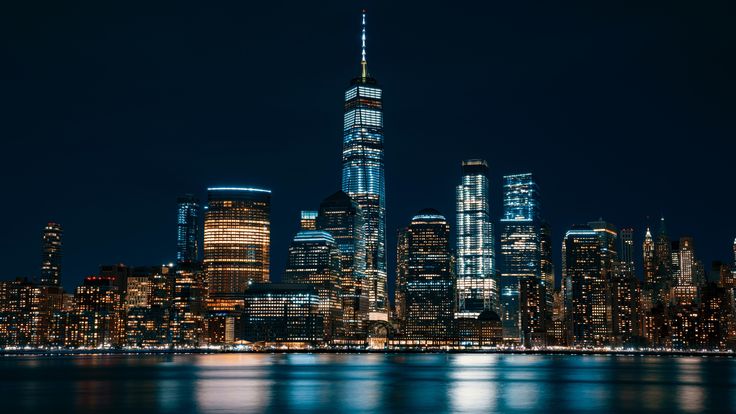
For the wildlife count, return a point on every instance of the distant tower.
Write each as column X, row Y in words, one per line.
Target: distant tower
column 187, row 229
column 649, row 261
column 51, row 255
column 363, row 175
column 476, row 284
column 308, row 220
column 237, row 239
column 627, row 249
column 662, row 256
column 430, row 282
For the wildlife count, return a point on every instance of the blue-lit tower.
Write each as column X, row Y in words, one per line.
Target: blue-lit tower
column 476, row 282
column 363, row 176
column 187, row 229
column 520, row 255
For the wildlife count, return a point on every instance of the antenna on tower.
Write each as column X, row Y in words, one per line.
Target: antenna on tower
column 363, row 62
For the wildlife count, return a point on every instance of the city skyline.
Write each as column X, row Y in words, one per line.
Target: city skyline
column 140, row 252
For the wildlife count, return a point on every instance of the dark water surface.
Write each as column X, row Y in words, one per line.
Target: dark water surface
column 328, row 383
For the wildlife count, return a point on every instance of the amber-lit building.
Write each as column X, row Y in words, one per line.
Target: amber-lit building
column 308, row 220
column 583, row 260
column 237, row 239
column 533, row 313
column 481, row 332
column 314, row 259
column 283, row 314
column 147, row 306
column 430, row 282
column 24, row 321
column 98, row 317
column 188, row 300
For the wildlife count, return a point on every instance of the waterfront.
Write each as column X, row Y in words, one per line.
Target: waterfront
column 366, row 383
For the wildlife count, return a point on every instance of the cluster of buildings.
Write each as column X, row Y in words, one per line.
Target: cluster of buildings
column 475, row 283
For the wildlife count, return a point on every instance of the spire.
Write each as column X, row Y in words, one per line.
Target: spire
column 662, row 228
column 649, row 234
column 363, row 62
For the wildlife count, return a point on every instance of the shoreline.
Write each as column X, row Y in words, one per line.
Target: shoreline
column 569, row 352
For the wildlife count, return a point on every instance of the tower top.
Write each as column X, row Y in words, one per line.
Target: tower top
column 363, row 61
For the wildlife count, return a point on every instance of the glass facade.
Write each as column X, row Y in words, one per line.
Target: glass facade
column 51, row 255
column 187, row 229
column 363, row 177
column 476, row 282
column 237, row 239
column 524, row 248
column 343, row 218
column 429, row 281
column 282, row 312
column 583, row 268
column 308, row 220
column 314, row 259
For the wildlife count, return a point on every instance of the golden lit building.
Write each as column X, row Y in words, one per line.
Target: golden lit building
column 237, row 239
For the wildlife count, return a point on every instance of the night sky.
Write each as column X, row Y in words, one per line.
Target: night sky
column 109, row 112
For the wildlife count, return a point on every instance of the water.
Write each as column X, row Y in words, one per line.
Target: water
column 330, row 383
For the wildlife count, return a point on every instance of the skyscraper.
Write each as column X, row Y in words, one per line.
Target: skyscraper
column 237, row 238
column 476, row 283
column 583, row 260
column 314, row 259
column 187, row 229
column 625, row 294
column 662, row 259
column 51, row 255
column 343, row 218
column 626, row 256
column 521, row 246
column 430, row 282
column 308, row 220
column 649, row 261
column 363, row 175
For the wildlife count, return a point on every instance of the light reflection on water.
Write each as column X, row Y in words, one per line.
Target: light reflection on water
column 335, row 383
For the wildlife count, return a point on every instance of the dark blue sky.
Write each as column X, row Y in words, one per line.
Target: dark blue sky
column 623, row 110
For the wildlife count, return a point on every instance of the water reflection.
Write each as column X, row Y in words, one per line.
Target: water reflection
column 366, row 383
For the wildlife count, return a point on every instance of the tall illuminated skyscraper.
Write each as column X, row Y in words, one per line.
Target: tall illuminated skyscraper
column 476, row 283
column 237, row 238
column 521, row 246
column 363, row 175
column 430, row 282
column 51, row 255
column 187, row 229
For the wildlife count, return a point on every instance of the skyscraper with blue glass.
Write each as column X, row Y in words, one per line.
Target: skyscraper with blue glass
column 476, row 283
column 520, row 246
column 187, row 229
column 363, row 176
